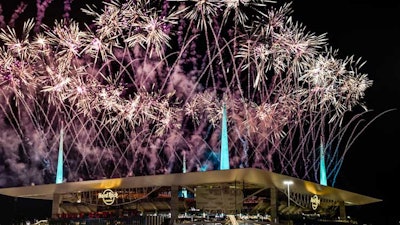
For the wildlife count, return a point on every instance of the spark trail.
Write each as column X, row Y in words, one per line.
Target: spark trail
column 142, row 85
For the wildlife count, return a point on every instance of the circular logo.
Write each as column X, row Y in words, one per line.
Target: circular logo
column 315, row 201
column 108, row 196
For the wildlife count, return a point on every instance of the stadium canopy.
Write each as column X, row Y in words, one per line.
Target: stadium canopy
column 248, row 178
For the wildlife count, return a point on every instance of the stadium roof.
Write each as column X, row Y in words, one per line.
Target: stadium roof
column 246, row 177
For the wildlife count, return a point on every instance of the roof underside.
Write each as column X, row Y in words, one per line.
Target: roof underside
column 248, row 178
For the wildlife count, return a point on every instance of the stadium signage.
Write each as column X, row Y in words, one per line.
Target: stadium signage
column 108, row 196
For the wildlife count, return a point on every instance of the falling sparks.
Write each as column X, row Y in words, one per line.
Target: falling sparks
column 144, row 82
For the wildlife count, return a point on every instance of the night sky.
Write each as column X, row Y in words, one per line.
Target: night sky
column 370, row 30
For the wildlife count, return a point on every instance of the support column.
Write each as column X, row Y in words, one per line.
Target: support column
column 174, row 203
column 55, row 208
column 274, row 205
column 342, row 210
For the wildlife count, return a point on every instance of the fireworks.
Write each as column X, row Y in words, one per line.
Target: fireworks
column 143, row 84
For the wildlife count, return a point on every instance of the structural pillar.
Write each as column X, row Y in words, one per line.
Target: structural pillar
column 274, row 205
column 174, row 204
column 55, row 208
column 342, row 210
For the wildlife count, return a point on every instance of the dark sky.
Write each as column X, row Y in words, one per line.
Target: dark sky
column 370, row 30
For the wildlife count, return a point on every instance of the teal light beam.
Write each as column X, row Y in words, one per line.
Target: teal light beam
column 184, row 191
column 224, row 160
column 322, row 167
column 60, row 172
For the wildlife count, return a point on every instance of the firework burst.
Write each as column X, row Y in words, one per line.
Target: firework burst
column 144, row 82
